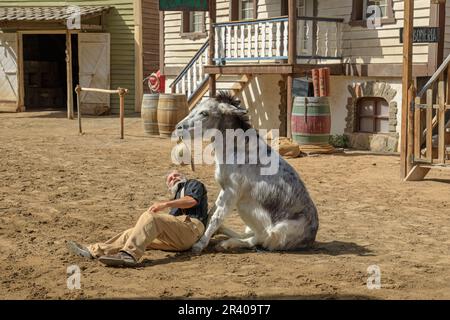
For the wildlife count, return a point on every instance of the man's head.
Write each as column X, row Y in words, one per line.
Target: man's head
column 173, row 179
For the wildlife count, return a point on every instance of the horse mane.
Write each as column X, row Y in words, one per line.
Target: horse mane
column 228, row 98
column 242, row 118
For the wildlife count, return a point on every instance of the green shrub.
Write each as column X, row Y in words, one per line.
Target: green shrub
column 339, row 141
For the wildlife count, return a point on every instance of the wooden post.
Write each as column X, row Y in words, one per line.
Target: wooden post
column 122, row 110
column 441, row 119
column 69, row 75
column 138, row 55
column 78, row 91
column 410, row 139
column 212, row 21
column 292, row 60
column 407, row 79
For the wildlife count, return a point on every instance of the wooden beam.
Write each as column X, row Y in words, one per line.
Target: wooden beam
column 138, row 56
column 21, row 81
column 250, row 69
column 212, row 21
column 407, row 81
column 161, row 45
column 441, row 120
column 417, row 173
column 292, row 60
column 410, row 139
column 69, row 75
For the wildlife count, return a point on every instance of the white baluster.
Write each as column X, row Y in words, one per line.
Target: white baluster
column 256, row 38
column 338, row 39
column 263, row 40
column 270, row 39
column 278, row 39
column 242, row 27
column 200, row 70
column 178, row 90
column 249, row 40
column 326, row 39
column 285, row 38
column 189, row 82
column 206, row 57
column 216, row 43
column 194, row 78
column 317, row 40
column 229, row 42
column 223, row 52
column 235, row 35
column 306, row 41
column 183, row 84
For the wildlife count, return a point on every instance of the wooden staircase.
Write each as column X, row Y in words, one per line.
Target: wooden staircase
column 429, row 125
column 194, row 83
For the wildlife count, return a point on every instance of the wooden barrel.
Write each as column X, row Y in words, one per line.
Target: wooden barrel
column 149, row 113
column 172, row 108
column 311, row 120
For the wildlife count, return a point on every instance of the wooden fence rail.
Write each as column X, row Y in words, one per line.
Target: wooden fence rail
column 120, row 91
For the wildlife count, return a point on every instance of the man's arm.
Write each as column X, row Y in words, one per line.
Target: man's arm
column 186, row 202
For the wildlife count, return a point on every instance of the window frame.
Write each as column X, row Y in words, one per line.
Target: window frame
column 186, row 32
column 358, row 20
column 235, row 13
column 375, row 116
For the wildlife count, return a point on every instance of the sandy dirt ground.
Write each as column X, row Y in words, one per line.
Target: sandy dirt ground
column 56, row 185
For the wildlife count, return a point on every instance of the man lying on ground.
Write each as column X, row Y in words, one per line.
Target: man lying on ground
column 176, row 230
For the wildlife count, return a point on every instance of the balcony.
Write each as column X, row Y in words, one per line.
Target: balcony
column 265, row 41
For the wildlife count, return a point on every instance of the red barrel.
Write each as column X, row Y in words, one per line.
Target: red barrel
column 311, row 120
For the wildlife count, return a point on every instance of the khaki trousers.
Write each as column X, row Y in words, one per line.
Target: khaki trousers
column 160, row 231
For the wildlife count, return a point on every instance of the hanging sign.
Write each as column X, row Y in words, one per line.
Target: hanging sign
column 423, row 35
column 183, row 5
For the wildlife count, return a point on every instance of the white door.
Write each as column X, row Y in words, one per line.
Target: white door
column 8, row 72
column 305, row 8
column 94, row 71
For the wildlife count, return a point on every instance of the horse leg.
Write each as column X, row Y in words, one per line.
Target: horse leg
column 224, row 204
column 235, row 243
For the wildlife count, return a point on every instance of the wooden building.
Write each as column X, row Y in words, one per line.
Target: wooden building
column 44, row 53
column 261, row 46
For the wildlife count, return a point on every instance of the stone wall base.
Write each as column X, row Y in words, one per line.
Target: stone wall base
column 376, row 142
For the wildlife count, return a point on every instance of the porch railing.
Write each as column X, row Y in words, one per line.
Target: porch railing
column 268, row 39
column 319, row 38
column 263, row 39
column 430, row 128
column 192, row 76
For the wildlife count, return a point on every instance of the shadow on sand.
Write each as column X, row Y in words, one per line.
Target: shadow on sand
column 333, row 248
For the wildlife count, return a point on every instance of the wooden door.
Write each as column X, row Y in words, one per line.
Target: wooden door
column 94, row 71
column 9, row 98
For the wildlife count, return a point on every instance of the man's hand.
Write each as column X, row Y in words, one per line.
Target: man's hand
column 158, row 206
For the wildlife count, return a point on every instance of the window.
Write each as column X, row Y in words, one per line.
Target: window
column 193, row 24
column 359, row 11
column 243, row 9
column 372, row 115
column 381, row 3
column 246, row 10
column 301, row 12
column 196, row 21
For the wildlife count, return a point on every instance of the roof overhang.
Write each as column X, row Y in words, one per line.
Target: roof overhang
column 49, row 13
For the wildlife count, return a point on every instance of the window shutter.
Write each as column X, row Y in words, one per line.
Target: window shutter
column 185, row 25
column 234, row 10
column 357, row 11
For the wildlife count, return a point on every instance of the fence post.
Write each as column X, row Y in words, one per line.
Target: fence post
column 78, row 91
column 122, row 109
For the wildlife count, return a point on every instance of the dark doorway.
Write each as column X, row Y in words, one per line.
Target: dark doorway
column 45, row 74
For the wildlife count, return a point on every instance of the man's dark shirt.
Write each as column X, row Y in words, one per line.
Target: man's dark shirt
column 196, row 190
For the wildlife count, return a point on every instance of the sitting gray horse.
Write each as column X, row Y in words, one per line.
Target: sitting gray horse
column 277, row 209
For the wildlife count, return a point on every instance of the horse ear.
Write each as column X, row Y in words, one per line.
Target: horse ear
column 226, row 108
